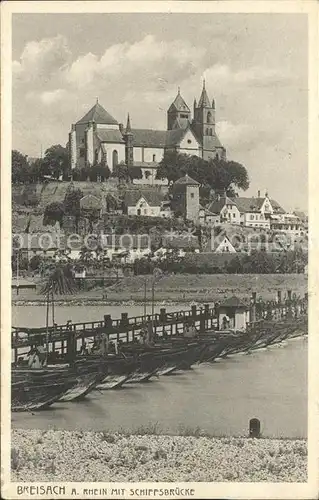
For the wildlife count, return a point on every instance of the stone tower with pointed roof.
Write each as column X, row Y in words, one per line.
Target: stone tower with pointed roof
column 178, row 114
column 204, row 126
column 185, row 199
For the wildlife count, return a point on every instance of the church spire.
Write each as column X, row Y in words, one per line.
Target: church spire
column 204, row 100
column 128, row 124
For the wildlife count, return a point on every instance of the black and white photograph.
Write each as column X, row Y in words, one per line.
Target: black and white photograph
column 156, row 299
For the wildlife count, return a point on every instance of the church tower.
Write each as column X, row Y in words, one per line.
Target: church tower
column 204, row 124
column 128, row 137
column 178, row 114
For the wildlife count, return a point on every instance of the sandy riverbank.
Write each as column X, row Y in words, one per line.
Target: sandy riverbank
column 58, row 455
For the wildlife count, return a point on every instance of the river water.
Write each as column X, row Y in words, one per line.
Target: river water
column 270, row 384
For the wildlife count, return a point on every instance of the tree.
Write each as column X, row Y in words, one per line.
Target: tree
column 35, row 262
column 216, row 174
column 72, row 204
column 36, row 170
column 86, row 255
column 227, row 176
column 56, row 161
column 135, row 173
column 53, row 213
column 121, row 172
column 80, row 174
column 19, row 168
column 99, row 172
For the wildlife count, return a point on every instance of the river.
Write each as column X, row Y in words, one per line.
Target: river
column 270, row 384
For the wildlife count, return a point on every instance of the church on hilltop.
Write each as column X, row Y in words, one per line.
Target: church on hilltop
column 98, row 137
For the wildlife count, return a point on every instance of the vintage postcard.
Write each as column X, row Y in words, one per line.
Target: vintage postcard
column 159, row 243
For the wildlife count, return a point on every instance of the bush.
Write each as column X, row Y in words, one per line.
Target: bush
column 35, row 262
column 53, row 213
column 99, row 172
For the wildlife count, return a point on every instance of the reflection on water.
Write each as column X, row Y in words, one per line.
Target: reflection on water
column 270, row 384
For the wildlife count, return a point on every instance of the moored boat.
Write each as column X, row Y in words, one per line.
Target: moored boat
column 28, row 396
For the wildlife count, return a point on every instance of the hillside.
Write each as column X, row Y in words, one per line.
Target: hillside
column 55, row 191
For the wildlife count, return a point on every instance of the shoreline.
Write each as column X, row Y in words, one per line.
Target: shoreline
column 59, row 455
column 111, row 302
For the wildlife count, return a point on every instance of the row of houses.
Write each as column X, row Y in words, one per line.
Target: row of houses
column 260, row 212
column 127, row 248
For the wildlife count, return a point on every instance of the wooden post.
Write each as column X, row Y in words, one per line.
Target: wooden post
column 194, row 311
column 254, row 428
column 153, row 298
column 289, row 304
column 162, row 316
column 124, row 319
column 107, row 321
column 216, row 312
column 252, row 315
column 145, row 296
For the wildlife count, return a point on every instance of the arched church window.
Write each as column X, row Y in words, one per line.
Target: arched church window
column 154, row 157
column 209, row 117
column 115, row 158
column 207, row 131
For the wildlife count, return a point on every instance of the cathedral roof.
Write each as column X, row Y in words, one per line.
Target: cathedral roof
column 174, row 137
column 157, row 138
column 204, row 100
column 110, row 135
column 179, row 104
column 99, row 115
column 149, row 138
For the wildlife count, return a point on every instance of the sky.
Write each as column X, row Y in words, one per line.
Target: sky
column 255, row 67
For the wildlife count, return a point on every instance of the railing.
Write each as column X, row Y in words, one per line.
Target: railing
column 63, row 337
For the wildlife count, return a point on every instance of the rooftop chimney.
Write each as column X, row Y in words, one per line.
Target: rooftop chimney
column 258, row 194
column 121, row 127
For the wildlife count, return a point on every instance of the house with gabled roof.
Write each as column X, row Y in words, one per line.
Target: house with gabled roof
column 147, row 203
column 98, row 137
column 226, row 209
column 250, row 212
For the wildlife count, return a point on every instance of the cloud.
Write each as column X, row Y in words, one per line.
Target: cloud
column 244, row 136
column 147, row 60
column 235, row 135
column 256, row 76
column 51, row 97
column 40, row 60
